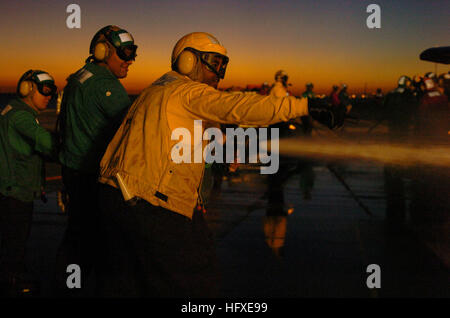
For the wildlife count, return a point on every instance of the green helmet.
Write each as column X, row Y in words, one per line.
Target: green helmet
column 43, row 80
column 120, row 39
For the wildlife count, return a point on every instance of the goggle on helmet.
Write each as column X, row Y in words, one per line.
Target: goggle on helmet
column 44, row 82
column 124, row 44
column 216, row 62
column 120, row 39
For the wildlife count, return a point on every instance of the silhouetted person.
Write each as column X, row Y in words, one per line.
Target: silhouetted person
column 432, row 119
column 399, row 106
column 430, row 202
column 23, row 145
column 334, row 97
column 93, row 106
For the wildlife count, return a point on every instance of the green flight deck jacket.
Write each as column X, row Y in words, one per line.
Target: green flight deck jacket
column 23, row 141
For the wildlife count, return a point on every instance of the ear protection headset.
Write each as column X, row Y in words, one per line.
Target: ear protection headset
column 215, row 62
column 101, row 49
column 186, row 62
column 25, row 85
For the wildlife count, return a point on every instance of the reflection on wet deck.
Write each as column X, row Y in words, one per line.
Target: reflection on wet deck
column 319, row 247
column 316, row 245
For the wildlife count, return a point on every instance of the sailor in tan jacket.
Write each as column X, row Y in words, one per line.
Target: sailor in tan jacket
column 279, row 88
column 160, row 234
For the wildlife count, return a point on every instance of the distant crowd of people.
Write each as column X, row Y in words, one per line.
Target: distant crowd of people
column 418, row 106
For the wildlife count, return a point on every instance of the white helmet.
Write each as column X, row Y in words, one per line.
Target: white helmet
column 204, row 46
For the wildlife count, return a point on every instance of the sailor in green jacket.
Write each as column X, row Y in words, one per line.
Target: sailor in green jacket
column 23, row 142
column 306, row 121
column 93, row 106
column 309, row 91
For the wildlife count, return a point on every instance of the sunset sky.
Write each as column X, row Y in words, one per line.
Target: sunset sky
column 324, row 42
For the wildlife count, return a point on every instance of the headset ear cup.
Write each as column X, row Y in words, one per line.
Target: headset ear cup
column 186, row 62
column 101, row 51
column 25, row 88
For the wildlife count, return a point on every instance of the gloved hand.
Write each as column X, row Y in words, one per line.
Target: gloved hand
column 326, row 114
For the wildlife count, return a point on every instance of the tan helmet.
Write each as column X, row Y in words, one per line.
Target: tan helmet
column 183, row 54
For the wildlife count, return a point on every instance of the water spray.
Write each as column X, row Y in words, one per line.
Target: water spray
column 437, row 155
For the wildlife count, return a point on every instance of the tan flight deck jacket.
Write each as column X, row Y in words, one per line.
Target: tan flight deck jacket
column 141, row 149
column 279, row 90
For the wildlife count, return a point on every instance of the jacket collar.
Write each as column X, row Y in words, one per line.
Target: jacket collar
column 19, row 104
column 98, row 70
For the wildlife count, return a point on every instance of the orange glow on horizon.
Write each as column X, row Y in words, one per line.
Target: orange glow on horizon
column 243, row 69
column 241, row 72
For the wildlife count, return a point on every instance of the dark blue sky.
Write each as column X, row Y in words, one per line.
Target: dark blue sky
column 323, row 41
